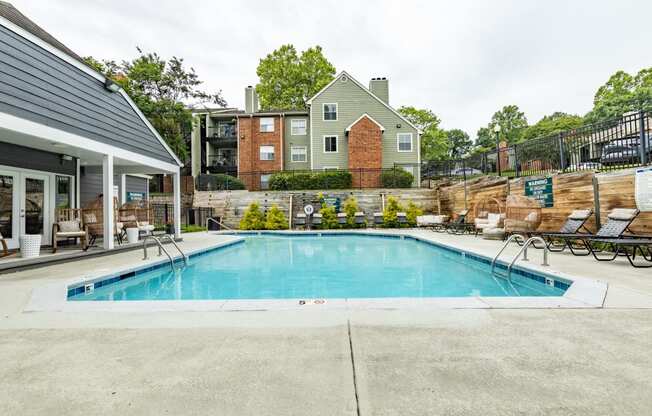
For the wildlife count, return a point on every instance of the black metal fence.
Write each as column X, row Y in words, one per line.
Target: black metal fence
column 164, row 214
column 359, row 178
column 615, row 144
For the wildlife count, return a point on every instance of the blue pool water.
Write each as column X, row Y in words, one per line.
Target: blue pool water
column 312, row 266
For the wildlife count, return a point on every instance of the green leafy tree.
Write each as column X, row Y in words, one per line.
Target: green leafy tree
column 485, row 140
column 253, row 218
column 162, row 90
column 288, row 80
column 434, row 141
column 512, row 122
column 390, row 214
column 276, row 219
column 350, row 208
column 412, row 212
column 622, row 93
column 459, row 143
column 552, row 124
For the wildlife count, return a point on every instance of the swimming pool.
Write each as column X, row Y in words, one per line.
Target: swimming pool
column 320, row 266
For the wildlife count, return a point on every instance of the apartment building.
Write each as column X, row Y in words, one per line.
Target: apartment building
column 346, row 126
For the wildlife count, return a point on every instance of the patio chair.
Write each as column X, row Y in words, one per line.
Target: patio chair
column 316, row 219
column 618, row 222
column 401, row 217
column 523, row 215
column 69, row 225
column 622, row 247
column 5, row 248
column 459, row 224
column 379, row 219
column 359, row 218
column 574, row 224
column 300, row 219
column 431, row 221
column 492, row 221
column 93, row 220
column 341, row 218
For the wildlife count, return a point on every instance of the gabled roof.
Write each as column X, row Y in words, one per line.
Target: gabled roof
column 360, row 118
column 368, row 92
column 111, row 118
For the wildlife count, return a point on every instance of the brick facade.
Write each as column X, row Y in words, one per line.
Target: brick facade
column 250, row 138
column 365, row 153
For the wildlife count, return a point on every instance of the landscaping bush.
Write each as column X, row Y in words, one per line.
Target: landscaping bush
column 219, row 182
column 390, row 217
column 412, row 212
column 191, row 228
column 276, row 219
column 396, row 178
column 253, row 218
column 329, row 218
column 350, row 208
column 291, row 181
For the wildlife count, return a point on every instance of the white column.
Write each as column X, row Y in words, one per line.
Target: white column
column 107, row 182
column 123, row 188
column 176, row 188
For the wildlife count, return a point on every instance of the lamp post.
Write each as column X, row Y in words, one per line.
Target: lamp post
column 497, row 131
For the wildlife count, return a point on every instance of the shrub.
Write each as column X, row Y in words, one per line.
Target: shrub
column 350, row 208
column 219, row 182
column 390, row 217
column 291, row 181
column 396, row 178
column 253, row 218
column 191, row 228
column 276, row 219
column 412, row 212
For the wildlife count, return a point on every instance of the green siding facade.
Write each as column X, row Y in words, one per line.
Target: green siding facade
column 290, row 140
column 352, row 102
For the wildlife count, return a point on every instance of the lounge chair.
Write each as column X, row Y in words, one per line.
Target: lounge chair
column 379, row 219
column 618, row 223
column 401, row 217
column 341, row 218
column 316, row 219
column 69, row 225
column 459, row 226
column 621, row 247
column 359, row 218
column 431, row 221
column 300, row 219
column 573, row 225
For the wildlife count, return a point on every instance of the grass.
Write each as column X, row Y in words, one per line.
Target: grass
column 192, row 228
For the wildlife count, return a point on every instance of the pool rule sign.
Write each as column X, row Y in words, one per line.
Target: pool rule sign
column 541, row 190
column 643, row 189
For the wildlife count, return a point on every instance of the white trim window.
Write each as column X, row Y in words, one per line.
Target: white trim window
column 298, row 127
column 329, row 111
column 404, row 142
column 266, row 152
column 330, row 144
column 267, row 124
column 298, row 154
column 264, row 180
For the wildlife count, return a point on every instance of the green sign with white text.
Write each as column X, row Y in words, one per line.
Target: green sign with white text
column 541, row 190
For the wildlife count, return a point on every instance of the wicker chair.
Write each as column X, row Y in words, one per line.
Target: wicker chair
column 523, row 215
column 137, row 215
column 489, row 213
column 69, row 225
column 93, row 220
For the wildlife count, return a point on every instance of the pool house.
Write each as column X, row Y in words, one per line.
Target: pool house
column 68, row 135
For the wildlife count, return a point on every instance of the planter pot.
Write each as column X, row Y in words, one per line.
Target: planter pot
column 30, row 245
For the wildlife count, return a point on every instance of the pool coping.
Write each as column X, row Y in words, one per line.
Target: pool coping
column 582, row 293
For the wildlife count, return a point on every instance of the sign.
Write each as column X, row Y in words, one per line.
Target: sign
column 643, row 189
column 332, row 201
column 308, row 209
column 541, row 190
column 135, row 196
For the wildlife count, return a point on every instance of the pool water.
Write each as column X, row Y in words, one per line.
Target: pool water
column 329, row 266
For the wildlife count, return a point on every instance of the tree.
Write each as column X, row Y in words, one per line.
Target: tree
column 622, row 93
column 288, row 80
column 554, row 123
column 459, row 143
column 275, row 219
column 485, row 140
column 253, row 218
column 434, row 142
column 512, row 123
column 161, row 89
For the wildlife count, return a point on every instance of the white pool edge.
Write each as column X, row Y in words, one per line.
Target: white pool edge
column 582, row 293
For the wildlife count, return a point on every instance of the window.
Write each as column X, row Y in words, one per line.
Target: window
column 404, row 141
column 266, row 152
column 298, row 154
column 298, row 127
column 330, row 112
column 330, row 144
column 63, row 198
column 266, row 124
column 264, row 181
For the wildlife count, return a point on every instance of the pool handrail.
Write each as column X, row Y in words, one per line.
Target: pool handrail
column 523, row 250
column 161, row 249
column 509, row 240
column 220, row 223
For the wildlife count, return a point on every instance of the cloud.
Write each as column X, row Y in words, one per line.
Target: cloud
column 463, row 59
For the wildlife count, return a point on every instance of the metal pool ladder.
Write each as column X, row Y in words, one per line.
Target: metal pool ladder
column 220, row 223
column 162, row 249
column 530, row 241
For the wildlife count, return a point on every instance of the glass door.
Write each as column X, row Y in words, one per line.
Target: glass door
column 34, row 208
column 9, row 207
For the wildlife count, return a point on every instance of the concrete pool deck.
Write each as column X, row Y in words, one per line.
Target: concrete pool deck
column 330, row 362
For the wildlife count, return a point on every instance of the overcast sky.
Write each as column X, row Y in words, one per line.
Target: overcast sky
column 462, row 59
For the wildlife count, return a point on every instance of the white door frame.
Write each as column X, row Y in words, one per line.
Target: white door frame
column 49, row 203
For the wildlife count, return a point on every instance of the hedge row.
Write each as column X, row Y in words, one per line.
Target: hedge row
column 219, row 182
column 396, row 178
column 293, row 181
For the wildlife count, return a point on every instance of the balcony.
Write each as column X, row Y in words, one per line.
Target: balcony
column 222, row 135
